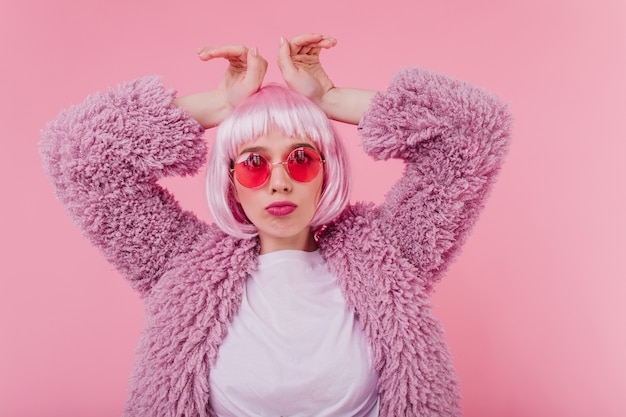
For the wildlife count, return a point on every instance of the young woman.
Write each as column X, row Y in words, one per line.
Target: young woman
column 293, row 303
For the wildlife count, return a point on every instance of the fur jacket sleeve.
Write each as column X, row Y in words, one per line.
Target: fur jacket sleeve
column 105, row 156
column 453, row 137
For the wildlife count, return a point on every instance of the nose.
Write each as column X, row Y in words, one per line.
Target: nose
column 280, row 181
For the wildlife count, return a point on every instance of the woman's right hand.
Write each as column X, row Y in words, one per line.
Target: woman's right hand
column 243, row 77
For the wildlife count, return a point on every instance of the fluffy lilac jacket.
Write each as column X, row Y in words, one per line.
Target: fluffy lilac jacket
column 106, row 155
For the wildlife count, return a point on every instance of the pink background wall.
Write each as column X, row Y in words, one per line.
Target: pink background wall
column 534, row 308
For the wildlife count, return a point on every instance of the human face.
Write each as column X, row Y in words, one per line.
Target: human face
column 281, row 208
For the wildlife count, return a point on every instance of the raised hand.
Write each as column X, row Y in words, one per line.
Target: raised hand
column 244, row 74
column 243, row 77
column 299, row 63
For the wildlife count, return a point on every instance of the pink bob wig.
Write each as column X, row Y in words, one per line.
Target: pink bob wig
column 275, row 107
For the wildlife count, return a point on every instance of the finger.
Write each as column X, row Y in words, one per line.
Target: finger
column 225, row 51
column 326, row 43
column 257, row 67
column 311, row 41
column 285, row 64
column 299, row 41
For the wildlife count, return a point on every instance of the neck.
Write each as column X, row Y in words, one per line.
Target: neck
column 304, row 242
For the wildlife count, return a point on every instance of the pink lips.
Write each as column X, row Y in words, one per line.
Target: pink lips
column 281, row 208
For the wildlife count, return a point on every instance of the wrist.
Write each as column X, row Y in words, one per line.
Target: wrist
column 346, row 104
column 329, row 101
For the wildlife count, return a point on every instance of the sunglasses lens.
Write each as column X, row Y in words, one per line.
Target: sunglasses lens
column 252, row 170
column 303, row 164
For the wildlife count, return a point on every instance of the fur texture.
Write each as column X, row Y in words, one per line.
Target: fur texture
column 106, row 155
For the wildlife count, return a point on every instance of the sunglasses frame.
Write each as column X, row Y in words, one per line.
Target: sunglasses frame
column 271, row 165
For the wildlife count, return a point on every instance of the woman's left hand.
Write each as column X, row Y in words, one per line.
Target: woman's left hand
column 299, row 63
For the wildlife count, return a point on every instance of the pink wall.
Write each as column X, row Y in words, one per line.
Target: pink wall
column 534, row 308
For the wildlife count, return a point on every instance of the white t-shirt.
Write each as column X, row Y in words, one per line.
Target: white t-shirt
column 294, row 349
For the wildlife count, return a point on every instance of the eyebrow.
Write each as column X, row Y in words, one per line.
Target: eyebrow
column 264, row 149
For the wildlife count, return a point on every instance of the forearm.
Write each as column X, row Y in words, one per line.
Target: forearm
column 207, row 108
column 346, row 104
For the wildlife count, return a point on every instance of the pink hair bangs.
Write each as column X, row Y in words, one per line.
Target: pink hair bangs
column 275, row 107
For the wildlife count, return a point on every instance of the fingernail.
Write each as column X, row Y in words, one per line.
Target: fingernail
column 254, row 51
column 282, row 40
